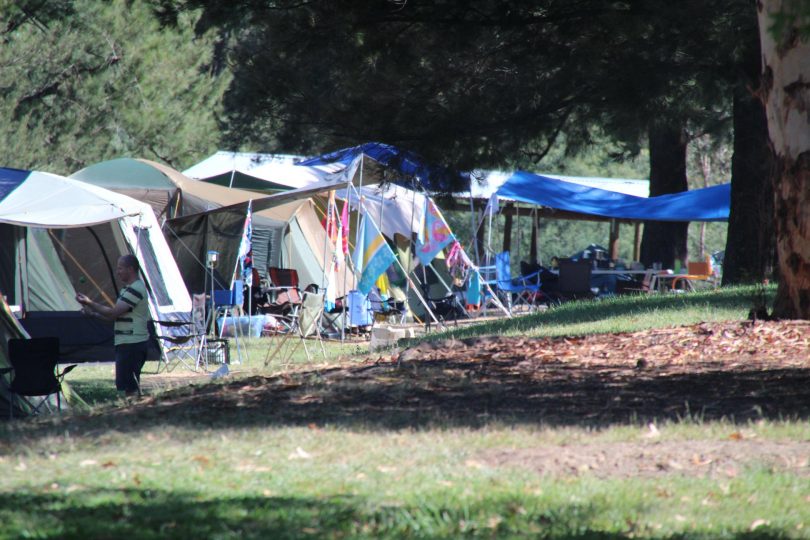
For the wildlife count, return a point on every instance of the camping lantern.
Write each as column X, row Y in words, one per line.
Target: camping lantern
column 211, row 259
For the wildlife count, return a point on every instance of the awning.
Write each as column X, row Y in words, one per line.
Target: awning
column 707, row 204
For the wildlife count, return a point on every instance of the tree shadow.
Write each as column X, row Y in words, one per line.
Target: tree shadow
column 458, row 393
column 149, row 513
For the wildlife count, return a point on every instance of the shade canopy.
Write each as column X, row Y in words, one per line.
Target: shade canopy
column 707, row 204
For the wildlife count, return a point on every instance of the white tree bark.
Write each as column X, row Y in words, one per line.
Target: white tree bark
column 786, row 93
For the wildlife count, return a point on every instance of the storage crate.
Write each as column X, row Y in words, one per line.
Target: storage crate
column 217, row 351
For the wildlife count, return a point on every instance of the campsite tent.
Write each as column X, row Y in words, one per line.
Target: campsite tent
column 258, row 172
column 59, row 237
column 284, row 235
column 297, row 241
column 9, row 328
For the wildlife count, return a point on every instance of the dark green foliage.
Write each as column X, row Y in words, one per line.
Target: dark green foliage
column 106, row 82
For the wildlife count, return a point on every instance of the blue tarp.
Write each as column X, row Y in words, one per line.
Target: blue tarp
column 707, row 204
column 10, row 179
column 408, row 164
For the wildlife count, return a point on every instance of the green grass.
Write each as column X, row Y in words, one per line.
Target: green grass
column 121, row 472
column 628, row 313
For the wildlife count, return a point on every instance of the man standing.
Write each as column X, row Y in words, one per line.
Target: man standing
column 131, row 314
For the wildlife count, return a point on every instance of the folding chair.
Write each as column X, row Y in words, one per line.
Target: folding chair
column 34, row 363
column 524, row 288
column 696, row 271
column 285, row 296
column 381, row 308
column 185, row 341
column 304, row 322
column 575, row 279
column 648, row 283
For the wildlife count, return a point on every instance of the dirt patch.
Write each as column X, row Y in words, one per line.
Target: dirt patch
column 713, row 459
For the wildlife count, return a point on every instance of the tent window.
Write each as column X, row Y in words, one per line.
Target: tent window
column 151, row 268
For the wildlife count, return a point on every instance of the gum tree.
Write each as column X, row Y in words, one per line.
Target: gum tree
column 784, row 26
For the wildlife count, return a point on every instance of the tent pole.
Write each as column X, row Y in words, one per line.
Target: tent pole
column 490, row 211
column 410, row 250
column 347, row 200
column 474, row 229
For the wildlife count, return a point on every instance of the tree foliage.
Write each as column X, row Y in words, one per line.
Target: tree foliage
column 104, row 81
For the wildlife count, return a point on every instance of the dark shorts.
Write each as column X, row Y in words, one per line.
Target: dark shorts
column 129, row 360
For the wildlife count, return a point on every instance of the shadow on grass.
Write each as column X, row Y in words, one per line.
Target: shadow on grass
column 446, row 394
column 456, row 392
column 148, row 513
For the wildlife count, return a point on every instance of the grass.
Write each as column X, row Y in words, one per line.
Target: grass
column 111, row 473
column 624, row 314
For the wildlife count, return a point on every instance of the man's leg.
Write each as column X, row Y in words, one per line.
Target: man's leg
column 129, row 359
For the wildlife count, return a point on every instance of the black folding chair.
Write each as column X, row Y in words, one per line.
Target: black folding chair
column 34, row 363
column 575, row 279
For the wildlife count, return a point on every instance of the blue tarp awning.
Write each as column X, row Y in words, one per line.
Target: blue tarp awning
column 707, row 204
column 408, row 164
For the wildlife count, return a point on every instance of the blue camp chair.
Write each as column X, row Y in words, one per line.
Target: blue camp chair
column 517, row 291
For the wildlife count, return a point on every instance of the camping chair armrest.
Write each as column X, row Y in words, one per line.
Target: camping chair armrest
column 528, row 277
column 65, row 371
column 172, row 324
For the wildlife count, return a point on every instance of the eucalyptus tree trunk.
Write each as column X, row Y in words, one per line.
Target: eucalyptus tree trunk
column 665, row 241
column 786, row 92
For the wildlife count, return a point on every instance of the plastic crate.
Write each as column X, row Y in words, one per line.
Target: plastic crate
column 217, row 351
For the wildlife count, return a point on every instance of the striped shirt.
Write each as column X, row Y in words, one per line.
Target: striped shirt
column 131, row 326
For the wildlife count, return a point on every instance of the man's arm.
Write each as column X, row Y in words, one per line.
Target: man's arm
column 94, row 309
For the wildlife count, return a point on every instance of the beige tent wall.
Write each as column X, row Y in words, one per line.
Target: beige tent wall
column 305, row 222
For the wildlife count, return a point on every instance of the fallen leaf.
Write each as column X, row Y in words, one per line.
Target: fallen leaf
column 736, row 436
column 758, row 523
column 652, row 432
column 300, row 453
column 494, row 521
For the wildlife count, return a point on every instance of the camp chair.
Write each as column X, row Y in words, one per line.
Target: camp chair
column 184, row 341
column 35, row 372
column 285, row 295
column 381, row 308
column 305, row 322
column 648, row 283
column 522, row 289
column 575, row 279
column 696, row 271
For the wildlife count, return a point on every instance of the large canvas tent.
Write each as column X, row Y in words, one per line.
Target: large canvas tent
column 59, row 237
column 267, row 173
column 284, row 235
column 9, row 328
